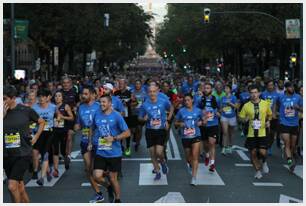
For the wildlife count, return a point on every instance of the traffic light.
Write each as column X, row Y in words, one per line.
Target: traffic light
column 293, row 59
column 206, row 15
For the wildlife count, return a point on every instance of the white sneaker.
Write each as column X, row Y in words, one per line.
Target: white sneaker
column 258, row 175
column 265, row 168
column 193, row 181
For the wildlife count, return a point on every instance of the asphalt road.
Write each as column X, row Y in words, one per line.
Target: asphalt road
column 233, row 181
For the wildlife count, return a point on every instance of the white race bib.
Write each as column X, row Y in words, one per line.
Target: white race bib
column 256, row 124
column 104, row 145
column 189, row 132
column 155, row 123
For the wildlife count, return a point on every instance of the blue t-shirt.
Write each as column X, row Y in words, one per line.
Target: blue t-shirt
column 85, row 117
column 209, row 111
column 47, row 114
column 187, row 88
column 244, row 97
column 111, row 124
column 270, row 97
column 287, row 114
column 156, row 112
column 117, row 104
column 140, row 97
column 196, row 100
column 190, row 118
column 228, row 111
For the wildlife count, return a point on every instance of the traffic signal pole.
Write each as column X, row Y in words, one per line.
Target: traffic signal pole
column 13, row 39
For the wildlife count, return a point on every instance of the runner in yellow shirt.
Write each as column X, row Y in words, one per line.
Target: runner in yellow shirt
column 259, row 114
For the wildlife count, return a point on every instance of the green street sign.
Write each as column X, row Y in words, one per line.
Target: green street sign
column 21, row 29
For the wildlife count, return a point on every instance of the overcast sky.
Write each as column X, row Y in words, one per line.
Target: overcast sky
column 158, row 8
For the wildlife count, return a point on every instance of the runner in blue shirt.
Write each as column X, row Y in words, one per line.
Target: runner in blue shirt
column 210, row 130
column 84, row 122
column 111, row 129
column 153, row 112
column 271, row 96
column 190, row 86
column 46, row 111
column 288, row 105
column 116, row 101
column 189, row 118
column 228, row 105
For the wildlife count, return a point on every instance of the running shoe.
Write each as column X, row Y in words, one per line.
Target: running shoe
column 111, row 194
column 223, row 151
column 212, row 168
column 153, row 171
column 97, row 198
column 55, row 173
column 258, row 175
column 206, row 161
column 127, row 152
column 117, row 201
column 265, row 168
column 49, row 176
column 40, row 181
column 230, row 149
column 193, row 181
column 189, row 168
column 164, row 167
column 157, row 176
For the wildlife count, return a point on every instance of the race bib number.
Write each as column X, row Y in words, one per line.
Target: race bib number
column 155, row 123
column 12, row 140
column 46, row 128
column 227, row 110
column 85, row 133
column 210, row 116
column 59, row 124
column 289, row 113
column 189, row 132
column 256, row 124
column 104, row 145
column 33, row 126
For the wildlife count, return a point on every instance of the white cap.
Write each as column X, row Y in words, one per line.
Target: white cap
column 108, row 86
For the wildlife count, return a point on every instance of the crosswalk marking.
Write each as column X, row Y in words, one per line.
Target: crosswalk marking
column 243, row 155
column 268, row 184
column 287, row 199
column 74, row 154
column 146, row 177
column 298, row 171
column 174, row 146
column 171, row 197
column 32, row 183
column 243, row 165
column 205, row 177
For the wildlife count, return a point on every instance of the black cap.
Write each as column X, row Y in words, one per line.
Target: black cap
column 288, row 84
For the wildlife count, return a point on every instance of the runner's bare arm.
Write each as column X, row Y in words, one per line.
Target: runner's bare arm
column 41, row 124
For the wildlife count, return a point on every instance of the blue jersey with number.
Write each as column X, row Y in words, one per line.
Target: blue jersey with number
column 270, row 97
column 288, row 115
column 47, row 114
column 111, row 124
column 228, row 111
column 190, row 119
column 156, row 112
column 85, row 117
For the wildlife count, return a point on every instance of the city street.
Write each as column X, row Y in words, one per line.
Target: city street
column 233, row 181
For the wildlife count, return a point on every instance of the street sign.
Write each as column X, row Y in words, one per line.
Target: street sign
column 292, row 28
column 21, row 29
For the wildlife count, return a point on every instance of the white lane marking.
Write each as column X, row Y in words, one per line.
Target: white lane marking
column 236, row 147
column 298, row 171
column 287, row 199
column 205, row 177
column 74, row 154
column 171, row 197
column 127, row 159
column 169, row 154
column 243, row 155
column 146, row 177
column 268, row 184
column 87, row 184
column 61, row 170
column 174, row 145
column 243, row 165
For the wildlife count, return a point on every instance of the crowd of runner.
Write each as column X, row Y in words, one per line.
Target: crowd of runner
column 112, row 113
